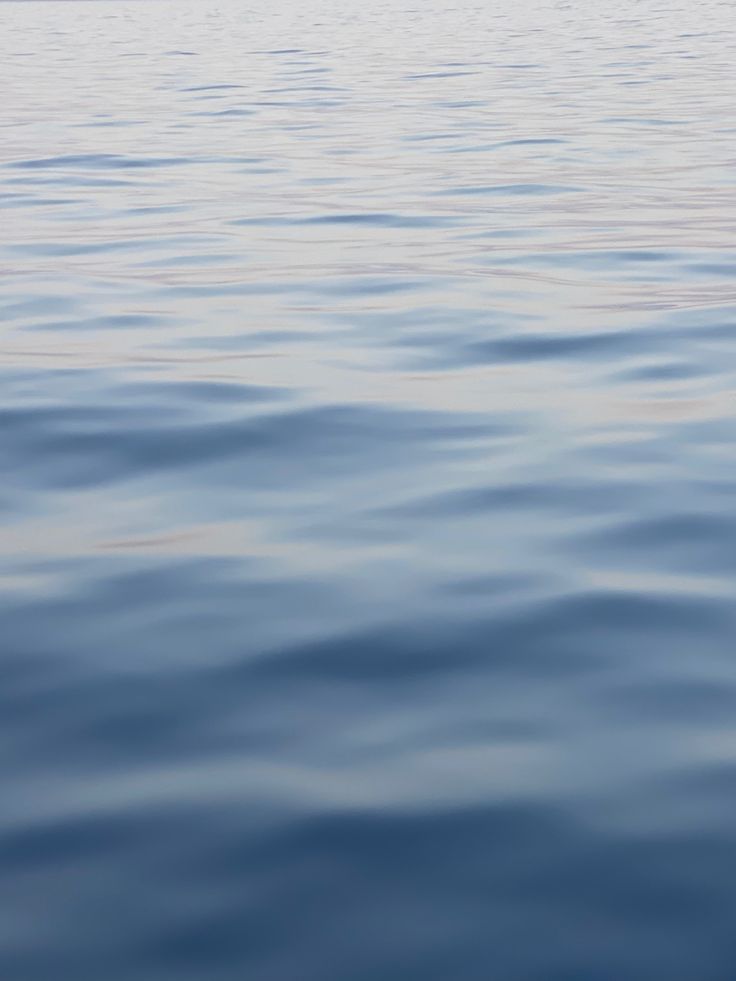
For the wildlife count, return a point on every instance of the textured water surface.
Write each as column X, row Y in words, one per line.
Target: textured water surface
column 368, row 491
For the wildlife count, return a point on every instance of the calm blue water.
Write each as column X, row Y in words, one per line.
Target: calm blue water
column 368, row 491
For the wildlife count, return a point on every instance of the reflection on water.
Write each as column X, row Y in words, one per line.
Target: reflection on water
column 367, row 557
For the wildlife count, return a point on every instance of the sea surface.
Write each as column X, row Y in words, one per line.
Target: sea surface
column 368, row 490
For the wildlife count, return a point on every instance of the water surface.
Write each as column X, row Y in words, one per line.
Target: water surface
column 367, row 482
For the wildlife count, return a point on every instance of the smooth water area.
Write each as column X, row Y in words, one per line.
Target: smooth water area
column 368, row 491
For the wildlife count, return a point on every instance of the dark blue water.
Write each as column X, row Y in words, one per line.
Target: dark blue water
column 368, row 491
